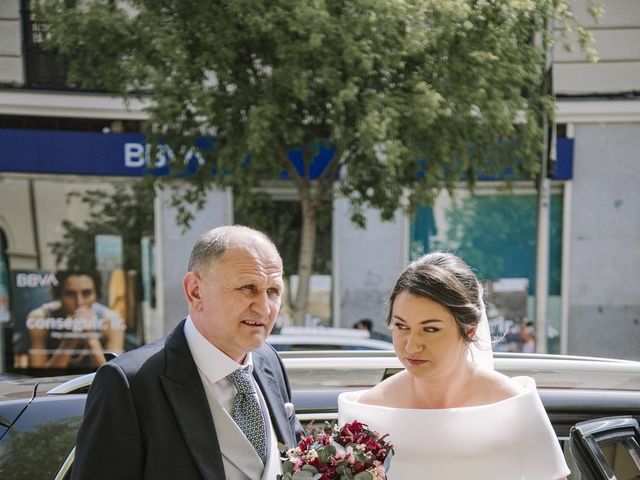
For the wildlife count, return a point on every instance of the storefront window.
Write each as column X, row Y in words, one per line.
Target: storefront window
column 280, row 217
column 77, row 285
column 495, row 233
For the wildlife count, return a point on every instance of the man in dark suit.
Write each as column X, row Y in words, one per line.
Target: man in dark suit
column 173, row 409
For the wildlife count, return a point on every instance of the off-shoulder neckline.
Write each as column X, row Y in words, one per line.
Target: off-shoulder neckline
column 527, row 383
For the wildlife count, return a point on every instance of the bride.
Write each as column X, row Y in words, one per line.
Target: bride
column 449, row 415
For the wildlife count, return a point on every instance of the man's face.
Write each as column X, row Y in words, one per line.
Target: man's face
column 234, row 302
column 78, row 291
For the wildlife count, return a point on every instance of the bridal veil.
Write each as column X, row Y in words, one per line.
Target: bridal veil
column 480, row 351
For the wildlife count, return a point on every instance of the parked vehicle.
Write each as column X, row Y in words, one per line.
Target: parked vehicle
column 325, row 338
column 39, row 418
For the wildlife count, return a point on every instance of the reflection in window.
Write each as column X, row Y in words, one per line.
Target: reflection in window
column 103, row 232
column 624, row 458
column 4, row 283
column 282, row 221
column 496, row 235
column 40, row 440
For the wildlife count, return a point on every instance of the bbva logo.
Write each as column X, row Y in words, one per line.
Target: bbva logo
column 138, row 155
column 34, row 280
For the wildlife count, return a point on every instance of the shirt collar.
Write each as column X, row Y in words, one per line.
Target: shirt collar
column 210, row 360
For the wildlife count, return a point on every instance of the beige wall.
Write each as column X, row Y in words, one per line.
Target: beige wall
column 15, row 220
column 11, row 65
column 617, row 42
column 51, row 208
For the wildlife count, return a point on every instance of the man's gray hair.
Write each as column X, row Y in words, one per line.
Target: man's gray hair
column 213, row 244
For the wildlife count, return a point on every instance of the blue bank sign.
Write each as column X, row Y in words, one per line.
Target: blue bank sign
column 126, row 154
column 82, row 153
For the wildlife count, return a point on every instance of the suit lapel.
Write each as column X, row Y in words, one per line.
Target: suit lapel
column 188, row 400
column 263, row 375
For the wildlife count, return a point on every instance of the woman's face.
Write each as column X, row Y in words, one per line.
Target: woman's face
column 426, row 336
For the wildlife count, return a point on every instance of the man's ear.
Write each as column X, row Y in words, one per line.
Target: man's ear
column 191, row 287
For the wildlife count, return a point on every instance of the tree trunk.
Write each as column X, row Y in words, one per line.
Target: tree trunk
column 306, row 256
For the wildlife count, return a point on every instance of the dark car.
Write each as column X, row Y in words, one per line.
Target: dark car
column 593, row 404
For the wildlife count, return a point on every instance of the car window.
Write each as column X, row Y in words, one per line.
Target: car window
column 623, row 456
column 40, row 439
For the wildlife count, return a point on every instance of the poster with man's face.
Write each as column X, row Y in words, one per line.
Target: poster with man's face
column 59, row 322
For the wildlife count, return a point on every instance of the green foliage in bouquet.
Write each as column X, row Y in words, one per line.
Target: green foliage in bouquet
column 350, row 452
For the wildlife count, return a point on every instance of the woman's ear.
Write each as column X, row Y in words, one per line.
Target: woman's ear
column 471, row 332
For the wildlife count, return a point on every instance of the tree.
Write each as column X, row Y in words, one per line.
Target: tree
column 409, row 95
column 38, row 448
column 124, row 210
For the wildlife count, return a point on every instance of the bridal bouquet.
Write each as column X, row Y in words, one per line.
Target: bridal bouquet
column 350, row 452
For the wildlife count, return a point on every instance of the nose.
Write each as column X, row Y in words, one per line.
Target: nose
column 413, row 344
column 260, row 304
column 82, row 300
column 74, row 298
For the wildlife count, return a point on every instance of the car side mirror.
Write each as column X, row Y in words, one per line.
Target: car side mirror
column 108, row 356
column 607, row 448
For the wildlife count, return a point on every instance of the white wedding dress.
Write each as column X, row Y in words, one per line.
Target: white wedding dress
column 508, row 440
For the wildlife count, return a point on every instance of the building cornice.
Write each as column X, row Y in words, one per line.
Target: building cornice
column 92, row 105
column 72, row 104
column 597, row 111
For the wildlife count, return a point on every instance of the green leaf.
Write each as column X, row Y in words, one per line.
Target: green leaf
column 363, row 476
column 309, row 468
column 325, row 453
column 307, row 472
column 287, row 467
column 344, row 471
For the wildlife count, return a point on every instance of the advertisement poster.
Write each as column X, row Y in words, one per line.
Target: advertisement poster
column 506, row 301
column 4, row 292
column 60, row 322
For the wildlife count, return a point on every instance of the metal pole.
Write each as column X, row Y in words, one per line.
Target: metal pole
column 544, row 200
column 4, row 307
column 566, row 255
column 34, row 223
column 542, row 248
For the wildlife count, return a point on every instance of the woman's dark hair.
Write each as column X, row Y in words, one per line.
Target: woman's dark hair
column 447, row 280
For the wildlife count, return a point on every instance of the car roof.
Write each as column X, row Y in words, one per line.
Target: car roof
column 367, row 368
column 330, row 340
column 17, row 393
column 30, row 387
column 327, row 337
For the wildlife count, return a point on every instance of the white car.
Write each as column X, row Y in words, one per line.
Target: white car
column 325, row 338
column 593, row 405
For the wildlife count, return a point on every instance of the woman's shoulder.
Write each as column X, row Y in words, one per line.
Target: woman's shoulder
column 383, row 394
column 491, row 387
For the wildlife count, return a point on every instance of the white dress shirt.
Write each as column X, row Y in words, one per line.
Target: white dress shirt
column 214, row 366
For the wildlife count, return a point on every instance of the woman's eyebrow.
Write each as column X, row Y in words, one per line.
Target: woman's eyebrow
column 423, row 322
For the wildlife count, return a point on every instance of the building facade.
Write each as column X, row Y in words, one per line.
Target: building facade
column 594, row 293
column 600, row 106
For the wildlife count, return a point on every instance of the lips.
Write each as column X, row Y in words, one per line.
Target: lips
column 416, row 361
column 253, row 323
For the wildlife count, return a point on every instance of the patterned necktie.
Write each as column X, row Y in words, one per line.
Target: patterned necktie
column 246, row 412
